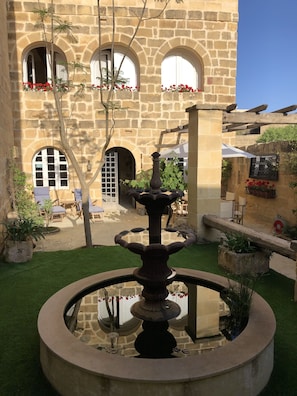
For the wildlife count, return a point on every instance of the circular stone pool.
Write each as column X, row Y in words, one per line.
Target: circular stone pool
column 242, row 366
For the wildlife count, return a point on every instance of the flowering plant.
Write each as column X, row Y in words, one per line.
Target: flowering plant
column 262, row 185
column 117, row 87
column 29, row 86
column 260, row 188
column 179, row 88
column 37, row 87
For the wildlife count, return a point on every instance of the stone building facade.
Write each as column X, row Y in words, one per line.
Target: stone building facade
column 6, row 128
column 203, row 32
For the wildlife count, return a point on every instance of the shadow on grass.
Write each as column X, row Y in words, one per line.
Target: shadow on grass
column 24, row 288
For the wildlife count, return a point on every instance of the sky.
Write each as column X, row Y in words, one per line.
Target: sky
column 267, row 54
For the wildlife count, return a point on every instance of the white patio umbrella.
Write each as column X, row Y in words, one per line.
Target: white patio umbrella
column 233, row 152
column 181, row 151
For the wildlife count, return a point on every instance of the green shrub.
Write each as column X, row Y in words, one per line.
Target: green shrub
column 171, row 175
column 238, row 297
column 23, row 230
column 226, row 169
column 238, row 243
column 274, row 134
column 23, row 199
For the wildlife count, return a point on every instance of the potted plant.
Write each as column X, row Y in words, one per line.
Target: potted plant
column 238, row 255
column 19, row 238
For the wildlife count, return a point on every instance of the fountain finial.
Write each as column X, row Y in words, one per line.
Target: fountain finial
column 155, row 182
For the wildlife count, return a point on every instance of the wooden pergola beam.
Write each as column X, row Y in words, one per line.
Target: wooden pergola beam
column 286, row 110
column 263, row 118
column 239, row 126
column 180, row 129
column 244, row 120
column 257, row 109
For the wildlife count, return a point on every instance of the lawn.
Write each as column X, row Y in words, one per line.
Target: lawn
column 25, row 287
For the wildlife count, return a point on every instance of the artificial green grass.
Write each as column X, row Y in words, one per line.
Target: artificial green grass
column 24, row 288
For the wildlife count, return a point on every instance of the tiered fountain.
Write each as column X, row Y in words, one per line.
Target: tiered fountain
column 243, row 366
column 155, row 275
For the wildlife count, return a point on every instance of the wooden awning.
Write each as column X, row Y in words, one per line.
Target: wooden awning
column 246, row 120
column 255, row 118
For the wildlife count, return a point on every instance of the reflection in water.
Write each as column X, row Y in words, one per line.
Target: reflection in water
column 104, row 320
column 141, row 235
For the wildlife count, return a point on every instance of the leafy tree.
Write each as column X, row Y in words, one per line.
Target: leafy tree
column 274, row 134
column 21, row 197
column 172, row 176
column 48, row 21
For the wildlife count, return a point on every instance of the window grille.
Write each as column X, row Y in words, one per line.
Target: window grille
column 264, row 167
column 50, row 169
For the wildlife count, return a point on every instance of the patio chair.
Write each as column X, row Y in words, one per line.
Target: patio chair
column 41, row 195
column 230, row 196
column 228, row 206
column 177, row 209
column 182, row 208
column 96, row 212
column 239, row 209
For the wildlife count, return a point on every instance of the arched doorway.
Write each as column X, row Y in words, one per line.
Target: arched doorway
column 119, row 165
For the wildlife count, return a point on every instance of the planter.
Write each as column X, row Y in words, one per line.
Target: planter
column 50, row 230
column 18, row 251
column 243, row 263
column 269, row 194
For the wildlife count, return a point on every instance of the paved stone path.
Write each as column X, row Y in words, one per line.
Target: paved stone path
column 71, row 235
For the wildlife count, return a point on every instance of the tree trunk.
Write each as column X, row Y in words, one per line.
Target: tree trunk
column 86, row 214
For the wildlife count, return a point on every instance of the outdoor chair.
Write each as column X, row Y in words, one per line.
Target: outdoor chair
column 41, row 196
column 239, row 209
column 182, row 208
column 229, row 205
column 230, row 196
column 177, row 209
column 96, row 212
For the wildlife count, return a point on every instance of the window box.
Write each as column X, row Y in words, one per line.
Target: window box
column 260, row 188
column 263, row 194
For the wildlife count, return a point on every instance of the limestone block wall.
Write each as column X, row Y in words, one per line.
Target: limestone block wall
column 208, row 30
column 263, row 209
column 6, row 131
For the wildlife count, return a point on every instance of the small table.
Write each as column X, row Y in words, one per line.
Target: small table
column 68, row 204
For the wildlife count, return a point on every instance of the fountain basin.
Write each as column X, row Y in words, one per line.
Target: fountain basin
column 242, row 367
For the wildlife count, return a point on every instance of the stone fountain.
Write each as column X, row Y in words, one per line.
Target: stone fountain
column 243, row 366
column 155, row 275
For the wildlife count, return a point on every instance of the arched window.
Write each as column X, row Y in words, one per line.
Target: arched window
column 110, row 64
column 50, row 169
column 37, row 66
column 180, row 67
